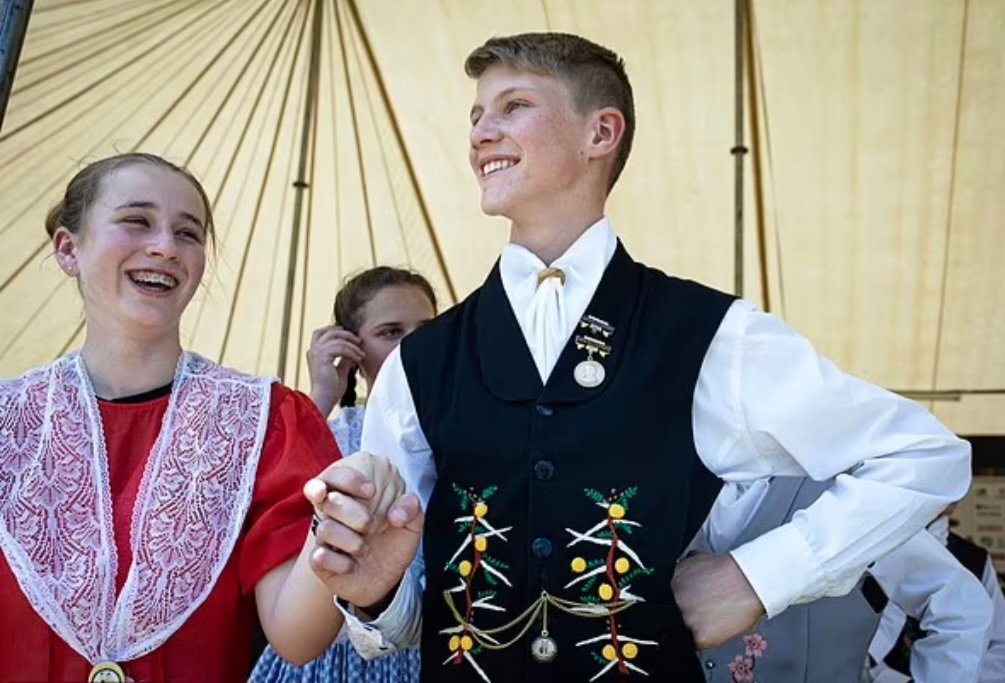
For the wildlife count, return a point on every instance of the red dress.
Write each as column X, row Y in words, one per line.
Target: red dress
column 214, row 644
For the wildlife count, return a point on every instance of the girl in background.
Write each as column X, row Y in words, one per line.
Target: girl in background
column 374, row 310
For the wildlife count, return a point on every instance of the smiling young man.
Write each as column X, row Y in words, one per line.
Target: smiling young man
column 568, row 426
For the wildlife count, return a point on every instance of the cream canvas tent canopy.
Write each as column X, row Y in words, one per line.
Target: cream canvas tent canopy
column 331, row 135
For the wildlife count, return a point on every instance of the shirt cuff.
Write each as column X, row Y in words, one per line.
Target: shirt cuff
column 781, row 568
column 393, row 629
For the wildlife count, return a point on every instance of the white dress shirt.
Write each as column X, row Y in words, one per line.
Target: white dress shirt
column 991, row 667
column 765, row 404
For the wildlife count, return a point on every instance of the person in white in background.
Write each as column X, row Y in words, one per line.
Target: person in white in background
column 827, row 640
column 889, row 647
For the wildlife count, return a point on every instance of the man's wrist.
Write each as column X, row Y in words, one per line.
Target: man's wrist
column 373, row 610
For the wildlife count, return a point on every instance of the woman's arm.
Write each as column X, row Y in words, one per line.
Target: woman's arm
column 296, row 610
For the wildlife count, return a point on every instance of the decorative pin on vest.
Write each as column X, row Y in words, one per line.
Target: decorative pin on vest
column 589, row 373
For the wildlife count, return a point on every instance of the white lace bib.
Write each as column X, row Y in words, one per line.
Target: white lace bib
column 56, row 528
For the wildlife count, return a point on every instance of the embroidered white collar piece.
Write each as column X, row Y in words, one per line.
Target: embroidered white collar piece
column 56, row 524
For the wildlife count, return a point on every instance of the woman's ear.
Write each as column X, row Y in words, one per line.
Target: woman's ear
column 64, row 247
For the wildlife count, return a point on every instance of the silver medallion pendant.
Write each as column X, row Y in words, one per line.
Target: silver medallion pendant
column 589, row 373
column 544, row 648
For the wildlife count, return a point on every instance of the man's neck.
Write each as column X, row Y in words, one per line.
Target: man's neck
column 549, row 240
column 121, row 366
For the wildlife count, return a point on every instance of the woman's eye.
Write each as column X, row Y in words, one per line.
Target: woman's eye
column 190, row 234
column 136, row 220
column 392, row 332
column 514, row 104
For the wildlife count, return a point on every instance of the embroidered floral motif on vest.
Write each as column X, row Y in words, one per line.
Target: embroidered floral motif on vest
column 478, row 565
column 604, row 584
column 606, row 581
column 56, row 511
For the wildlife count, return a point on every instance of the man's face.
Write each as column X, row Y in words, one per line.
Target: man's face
column 527, row 143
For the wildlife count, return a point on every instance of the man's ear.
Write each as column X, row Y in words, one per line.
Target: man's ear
column 64, row 247
column 607, row 130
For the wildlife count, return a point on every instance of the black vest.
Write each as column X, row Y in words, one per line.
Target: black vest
column 970, row 555
column 538, row 486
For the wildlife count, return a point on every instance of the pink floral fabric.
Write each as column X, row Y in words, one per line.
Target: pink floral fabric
column 743, row 665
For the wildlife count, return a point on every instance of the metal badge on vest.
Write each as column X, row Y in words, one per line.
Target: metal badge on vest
column 589, row 373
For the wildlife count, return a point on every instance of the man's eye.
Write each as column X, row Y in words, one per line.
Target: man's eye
column 136, row 220
column 514, row 104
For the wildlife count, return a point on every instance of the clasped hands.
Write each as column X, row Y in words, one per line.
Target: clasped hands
column 369, row 531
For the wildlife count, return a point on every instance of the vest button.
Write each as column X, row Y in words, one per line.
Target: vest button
column 544, row 410
column 544, row 470
column 542, row 548
column 709, row 664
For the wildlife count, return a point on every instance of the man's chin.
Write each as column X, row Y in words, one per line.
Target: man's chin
column 492, row 206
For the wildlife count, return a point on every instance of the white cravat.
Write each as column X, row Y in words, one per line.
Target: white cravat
column 547, row 312
column 545, row 316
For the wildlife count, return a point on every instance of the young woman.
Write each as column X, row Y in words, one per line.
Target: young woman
column 150, row 500
column 374, row 310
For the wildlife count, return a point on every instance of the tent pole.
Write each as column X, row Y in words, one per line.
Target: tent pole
column 13, row 26
column 739, row 150
column 300, row 186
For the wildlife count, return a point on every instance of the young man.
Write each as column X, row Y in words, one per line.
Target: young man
column 567, row 426
column 827, row 640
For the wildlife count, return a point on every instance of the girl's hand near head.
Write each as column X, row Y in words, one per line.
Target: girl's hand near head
column 332, row 356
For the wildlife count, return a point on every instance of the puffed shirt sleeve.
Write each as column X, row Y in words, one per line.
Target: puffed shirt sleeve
column 926, row 582
column 391, row 429
column 993, row 665
column 767, row 404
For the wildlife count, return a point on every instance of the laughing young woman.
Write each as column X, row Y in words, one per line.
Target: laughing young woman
column 150, row 500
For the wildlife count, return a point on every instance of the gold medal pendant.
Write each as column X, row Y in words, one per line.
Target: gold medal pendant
column 107, row 672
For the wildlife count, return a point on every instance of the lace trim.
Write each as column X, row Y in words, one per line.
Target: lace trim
column 56, row 510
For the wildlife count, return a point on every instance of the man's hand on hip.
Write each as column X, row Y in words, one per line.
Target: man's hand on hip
column 715, row 599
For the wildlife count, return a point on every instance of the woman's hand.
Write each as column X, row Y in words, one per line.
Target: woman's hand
column 333, row 354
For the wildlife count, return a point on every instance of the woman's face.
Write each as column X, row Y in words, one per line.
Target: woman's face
column 386, row 318
column 141, row 251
